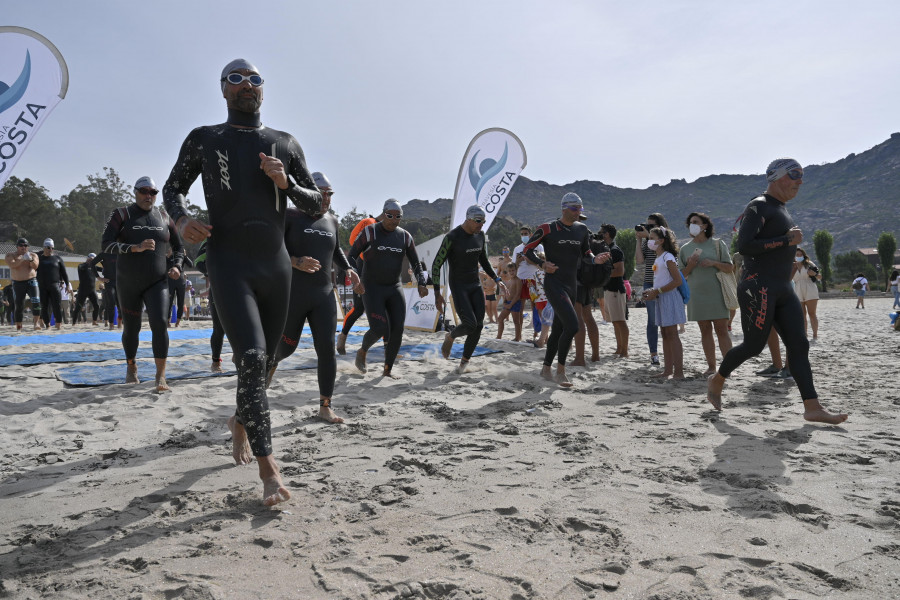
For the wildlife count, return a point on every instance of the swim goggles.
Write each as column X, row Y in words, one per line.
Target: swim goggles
column 238, row 79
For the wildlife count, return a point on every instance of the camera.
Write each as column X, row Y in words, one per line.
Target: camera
column 643, row 227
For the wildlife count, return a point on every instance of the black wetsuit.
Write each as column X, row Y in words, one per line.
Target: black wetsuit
column 87, row 283
column 249, row 268
column 177, row 288
column 141, row 276
column 566, row 246
column 463, row 252
column 217, row 337
column 383, row 252
column 110, row 296
column 765, row 294
column 51, row 270
column 312, row 294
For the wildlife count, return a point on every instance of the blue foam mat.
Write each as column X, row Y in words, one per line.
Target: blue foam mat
column 145, row 351
column 100, row 337
column 94, row 375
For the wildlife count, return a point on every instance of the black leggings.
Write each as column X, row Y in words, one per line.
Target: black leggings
column 766, row 304
column 30, row 287
column 111, row 302
column 355, row 313
column 565, row 321
column 80, row 298
column 132, row 296
column 217, row 338
column 176, row 290
column 386, row 312
column 252, row 294
column 52, row 304
column 469, row 302
column 319, row 308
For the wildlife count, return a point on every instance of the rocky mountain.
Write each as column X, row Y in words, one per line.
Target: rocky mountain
column 855, row 198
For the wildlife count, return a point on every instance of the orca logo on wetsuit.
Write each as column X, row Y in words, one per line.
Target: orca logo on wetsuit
column 390, row 248
column 319, row 231
column 150, row 227
column 473, row 250
column 224, row 175
column 576, row 242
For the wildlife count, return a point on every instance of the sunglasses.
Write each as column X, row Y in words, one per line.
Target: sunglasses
column 148, row 191
column 238, row 79
column 478, row 220
column 390, row 216
column 22, row 245
column 329, row 194
column 575, row 208
column 795, row 174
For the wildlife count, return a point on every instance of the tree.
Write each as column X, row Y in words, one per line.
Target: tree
column 347, row 223
column 849, row 264
column 823, row 242
column 28, row 209
column 626, row 240
column 887, row 246
column 85, row 210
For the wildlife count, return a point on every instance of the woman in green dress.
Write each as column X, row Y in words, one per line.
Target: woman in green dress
column 699, row 261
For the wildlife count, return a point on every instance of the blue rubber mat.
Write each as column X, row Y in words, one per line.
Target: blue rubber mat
column 93, row 375
column 101, row 337
column 145, row 351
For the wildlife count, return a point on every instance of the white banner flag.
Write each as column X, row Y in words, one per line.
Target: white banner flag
column 490, row 167
column 33, row 80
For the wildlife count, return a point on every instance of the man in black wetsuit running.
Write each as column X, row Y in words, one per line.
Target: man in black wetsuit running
column 566, row 244
column 50, row 272
column 312, row 243
column 246, row 170
column 87, row 283
column 140, row 235
column 768, row 238
column 463, row 249
column 383, row 246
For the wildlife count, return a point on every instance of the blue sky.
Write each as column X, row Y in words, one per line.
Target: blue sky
column 384, row 97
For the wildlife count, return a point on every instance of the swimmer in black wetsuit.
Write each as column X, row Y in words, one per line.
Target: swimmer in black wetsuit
column 87, row 283
column 358, row 301
column 566, row 243
column 139, row 234
column 768, row 238
column 312, row 243
column 217, row 337
column 177, row 288
column 246, row 170
column 383, row 245
column 463, row 250
column 50, row 272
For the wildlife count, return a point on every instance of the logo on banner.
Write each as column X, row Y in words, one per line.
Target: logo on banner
column 422, row 306
column 487, row 169
column 9, row 95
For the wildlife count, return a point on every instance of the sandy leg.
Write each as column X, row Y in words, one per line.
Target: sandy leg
column 131, row 373
column 463, row 365
column 216, row 366
column 161, row 385
column 361, row 360
column 561, row 378
column 387, row 373
column 240, row 446
column 447, row 346
column 814, row 411
column 547, row 373
column 341, row 344
column 271, row 374
column 325, row 412
column 714, row 385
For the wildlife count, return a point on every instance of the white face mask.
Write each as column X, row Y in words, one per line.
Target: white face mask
column 525, row 239
column 694, row 229
column 653, row 244
column 798, row 258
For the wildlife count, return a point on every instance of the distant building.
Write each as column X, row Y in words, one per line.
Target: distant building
column 871, row 255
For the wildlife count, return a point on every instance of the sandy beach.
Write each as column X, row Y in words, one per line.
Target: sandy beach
column 491, row 484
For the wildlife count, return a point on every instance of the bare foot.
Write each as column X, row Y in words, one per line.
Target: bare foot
column 662, row 375
column 341, row 344
column 595, row 358
column 361, row 360
column 447, row 346
column 463, row 365
column 216, row 366
column 709, row 371
column 131, row 373
column 161, row 385
column 578, row 362
column 274, row 491
column 547, row 373
column 328, row 415
column 562, row 380
column 714, row 385
column 240, row 447
column 387, row 373
column 816, row 413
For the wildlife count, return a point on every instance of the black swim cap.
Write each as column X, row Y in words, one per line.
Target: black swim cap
column 236, row 65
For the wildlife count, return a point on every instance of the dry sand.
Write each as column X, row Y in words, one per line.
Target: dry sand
column 493, row 484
